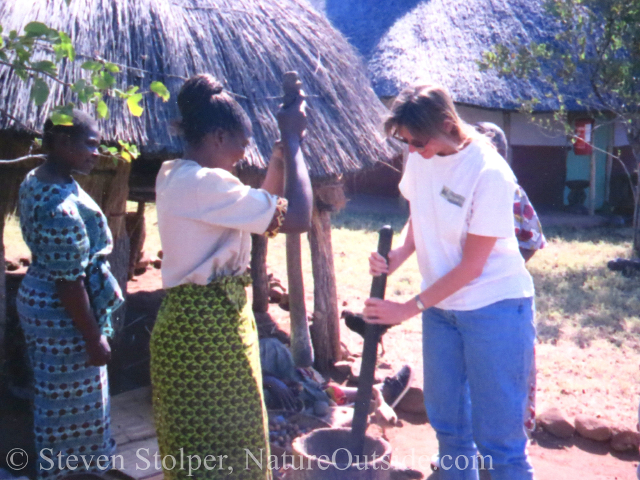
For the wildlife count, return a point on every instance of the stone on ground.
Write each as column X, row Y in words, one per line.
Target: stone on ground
column 593, row 428
column 555, row 422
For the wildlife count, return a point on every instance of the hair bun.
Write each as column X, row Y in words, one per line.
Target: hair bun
column 210, row 83
column 205, row 106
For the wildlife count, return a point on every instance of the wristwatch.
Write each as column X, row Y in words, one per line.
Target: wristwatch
column 419, row 303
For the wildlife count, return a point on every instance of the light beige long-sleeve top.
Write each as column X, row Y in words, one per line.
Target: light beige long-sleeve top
column 206, row 217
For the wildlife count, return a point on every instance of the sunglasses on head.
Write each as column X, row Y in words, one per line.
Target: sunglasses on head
column 417, row 144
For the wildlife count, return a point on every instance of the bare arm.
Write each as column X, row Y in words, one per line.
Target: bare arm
column 297, row 185
column 274, row 180
column 75, row 300
column 474, row 256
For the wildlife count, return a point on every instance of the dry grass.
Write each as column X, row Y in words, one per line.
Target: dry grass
column 577, row 296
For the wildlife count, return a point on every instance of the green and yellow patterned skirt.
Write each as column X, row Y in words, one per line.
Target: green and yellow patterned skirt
column 207, row 383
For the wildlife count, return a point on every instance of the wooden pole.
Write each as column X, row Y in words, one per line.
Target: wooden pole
column 301, row 348
column 325, row 329
column 369, row 353
column 115, row 211
column 259, row 275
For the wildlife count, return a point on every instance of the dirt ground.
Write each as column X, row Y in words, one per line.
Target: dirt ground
column 414, row 440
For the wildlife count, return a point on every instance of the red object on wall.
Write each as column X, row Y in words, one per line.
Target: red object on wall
column 584, row 132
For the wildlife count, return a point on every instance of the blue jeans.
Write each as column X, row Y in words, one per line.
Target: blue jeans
column 476, row 370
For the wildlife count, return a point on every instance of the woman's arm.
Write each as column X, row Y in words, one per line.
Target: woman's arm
column 75, row 300
column 296, row 185
column 474, row 256
column 274, row 180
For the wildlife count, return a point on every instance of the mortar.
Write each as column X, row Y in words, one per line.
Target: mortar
column 325, row 454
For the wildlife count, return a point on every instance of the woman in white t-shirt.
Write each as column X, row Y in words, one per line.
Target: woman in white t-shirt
column 476, row 296
column 205, row 361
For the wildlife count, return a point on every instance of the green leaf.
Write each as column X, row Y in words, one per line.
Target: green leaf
column 39, row 91
column 59, row 118
column 133, row 102
column 128, row 151
column 111, row 67
column 103, row 80
column 21, row 72
column 23, row 54
column 102, row 109
column 91, row 65
column 99, row 82
column 66, row 46
column 36, row 29
column 133, row 150
column 68, row 2
column 82, row 96
column 131, row 91
column 79, row 85
column 46, row 66
column 108, row 79
column 159, row 89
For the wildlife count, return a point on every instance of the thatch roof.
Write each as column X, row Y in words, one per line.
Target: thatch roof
column 248, row 45
column 440, row 41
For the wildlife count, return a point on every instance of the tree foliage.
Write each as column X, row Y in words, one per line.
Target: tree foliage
column 23, row 55
column 595, row 47
column 597, row 43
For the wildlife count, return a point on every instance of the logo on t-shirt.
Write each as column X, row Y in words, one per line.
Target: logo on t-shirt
column 452, row 197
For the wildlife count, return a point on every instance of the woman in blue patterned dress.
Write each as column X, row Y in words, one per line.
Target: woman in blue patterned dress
column 65, row 303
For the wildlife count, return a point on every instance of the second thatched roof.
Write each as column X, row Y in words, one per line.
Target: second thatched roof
column 247, row 45
column 440, row 41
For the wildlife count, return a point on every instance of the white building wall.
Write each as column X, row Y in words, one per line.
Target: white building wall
column 474, row 115
column 536, row 130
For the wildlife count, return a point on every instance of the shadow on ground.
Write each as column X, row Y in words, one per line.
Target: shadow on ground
column 550, row 442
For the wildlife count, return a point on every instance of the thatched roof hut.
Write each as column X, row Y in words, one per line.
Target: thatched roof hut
column 248, row 46
column 440, row 41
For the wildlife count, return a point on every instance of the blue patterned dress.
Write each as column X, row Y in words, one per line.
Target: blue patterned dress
column 68, row 236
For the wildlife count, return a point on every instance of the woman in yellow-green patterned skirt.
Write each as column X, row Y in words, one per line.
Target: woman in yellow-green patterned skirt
column 205, row 363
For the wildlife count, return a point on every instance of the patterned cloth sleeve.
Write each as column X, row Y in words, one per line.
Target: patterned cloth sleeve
column 278, row 217
column 64, row 243
column 527, row 224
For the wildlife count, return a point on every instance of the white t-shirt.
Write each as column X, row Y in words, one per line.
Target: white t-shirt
column 467, row 192
column 206, row 217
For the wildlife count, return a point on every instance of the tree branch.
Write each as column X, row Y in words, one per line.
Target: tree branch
column 11, row 117
column 42, row 72
column 26, row 157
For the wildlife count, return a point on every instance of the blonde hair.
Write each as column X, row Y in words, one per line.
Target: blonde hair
column 425, row 110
